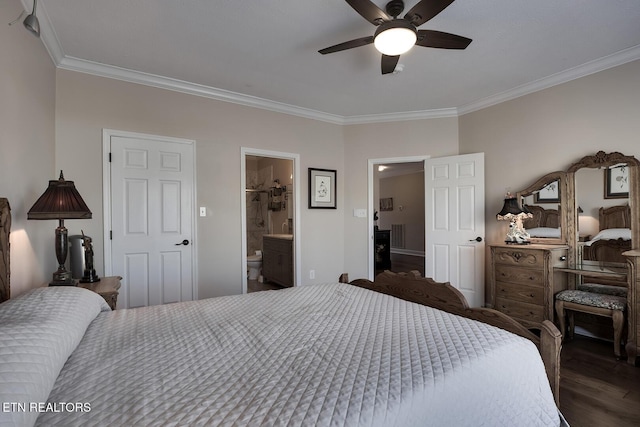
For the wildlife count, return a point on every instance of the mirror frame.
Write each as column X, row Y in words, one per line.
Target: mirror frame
column 599, row 161
column 545, row 180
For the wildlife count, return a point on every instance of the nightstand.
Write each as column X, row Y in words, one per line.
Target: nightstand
column 107, row 288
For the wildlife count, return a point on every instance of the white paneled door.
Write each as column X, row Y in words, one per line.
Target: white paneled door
column 151, row 215
column 454, row 239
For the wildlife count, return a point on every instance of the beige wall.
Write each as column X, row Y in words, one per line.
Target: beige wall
column 549, row 130
column 432, row 137
column 86, row 104
column 27, row 140
column 407, row 192
column 522, row 139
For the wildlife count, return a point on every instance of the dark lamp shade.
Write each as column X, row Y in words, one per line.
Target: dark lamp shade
column 512, row 209
column 60, row 200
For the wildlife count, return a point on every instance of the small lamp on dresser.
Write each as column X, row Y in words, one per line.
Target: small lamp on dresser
column 60, row 201
column 512, row 212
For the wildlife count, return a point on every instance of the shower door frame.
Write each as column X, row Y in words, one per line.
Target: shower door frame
column 297, row 262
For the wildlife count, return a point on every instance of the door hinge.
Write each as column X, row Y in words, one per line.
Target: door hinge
column 110, row 234
column 109, row 157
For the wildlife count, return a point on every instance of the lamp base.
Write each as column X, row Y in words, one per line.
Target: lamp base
column 62, row 278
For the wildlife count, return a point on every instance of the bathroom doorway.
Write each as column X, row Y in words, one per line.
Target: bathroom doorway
column 270, row 210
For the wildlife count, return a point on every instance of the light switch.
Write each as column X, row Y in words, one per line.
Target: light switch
column 360, row 213
column 203, row 211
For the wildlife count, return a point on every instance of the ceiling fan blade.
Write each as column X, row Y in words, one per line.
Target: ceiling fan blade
column 389, row 63
column 438, row 39
column 369, row 11
column 425, row 10
column 363, row 41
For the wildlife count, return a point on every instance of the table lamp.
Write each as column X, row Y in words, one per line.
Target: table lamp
column 512, row 212
column 60, row 201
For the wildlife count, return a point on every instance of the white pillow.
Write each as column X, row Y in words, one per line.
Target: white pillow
column 611, row 234
column 38, row 331
column 544, row 232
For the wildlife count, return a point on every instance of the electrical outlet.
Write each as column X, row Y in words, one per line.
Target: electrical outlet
column 312, row 274
column 203, row 211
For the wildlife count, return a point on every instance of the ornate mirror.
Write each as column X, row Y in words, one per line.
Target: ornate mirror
column 544, row 199
column 603, row 209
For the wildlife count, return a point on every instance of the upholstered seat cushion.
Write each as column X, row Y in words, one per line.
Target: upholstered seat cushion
column 593, row 299
column 597, row 288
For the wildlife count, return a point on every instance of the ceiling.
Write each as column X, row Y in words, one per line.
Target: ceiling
column 264, row 53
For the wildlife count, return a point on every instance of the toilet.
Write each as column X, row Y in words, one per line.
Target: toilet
column 254, row 264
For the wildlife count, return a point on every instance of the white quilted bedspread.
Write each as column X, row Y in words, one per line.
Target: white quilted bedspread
column 38, row 332
column 331, row 355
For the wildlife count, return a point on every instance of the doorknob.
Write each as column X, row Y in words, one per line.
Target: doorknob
column 477, row 239
column 184, row 242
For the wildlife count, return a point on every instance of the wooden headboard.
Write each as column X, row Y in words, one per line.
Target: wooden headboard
column 615, row 217
column 542, row 217
column 610, row 250
column 5, row 229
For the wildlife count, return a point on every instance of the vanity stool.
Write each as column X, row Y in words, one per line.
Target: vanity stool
column 600, row 304
column 597, row 288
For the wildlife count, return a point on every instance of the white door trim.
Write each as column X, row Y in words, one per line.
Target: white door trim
column 106, row 198
column 244, row 152
column 372, row 163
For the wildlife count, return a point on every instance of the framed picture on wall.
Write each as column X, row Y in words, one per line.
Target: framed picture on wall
column 616, row 182
column 322, row 188
column 386, row 204
column 550, row 193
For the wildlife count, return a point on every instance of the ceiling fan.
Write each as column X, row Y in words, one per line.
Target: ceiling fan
column 395, row 36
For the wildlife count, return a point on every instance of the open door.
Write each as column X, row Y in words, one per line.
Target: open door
column 454, row 232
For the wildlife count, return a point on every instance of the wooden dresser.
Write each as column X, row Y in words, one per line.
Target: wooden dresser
column 523, row 282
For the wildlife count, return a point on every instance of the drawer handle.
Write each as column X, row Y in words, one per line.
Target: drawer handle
column 563, row 258
column 531, row 295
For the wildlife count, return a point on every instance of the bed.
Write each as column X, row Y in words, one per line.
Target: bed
column 334, row 354
column 604, row 250
column 544, row 223
column 614, row 237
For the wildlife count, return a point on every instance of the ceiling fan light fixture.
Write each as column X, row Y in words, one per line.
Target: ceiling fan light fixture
column 395, row 37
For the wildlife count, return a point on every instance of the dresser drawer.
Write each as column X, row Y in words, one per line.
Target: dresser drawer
column 515, row 274
column 520, row 310
column 518, row 292
column 522, row 258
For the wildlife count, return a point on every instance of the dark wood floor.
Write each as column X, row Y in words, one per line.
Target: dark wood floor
column 255, row 286
column 405, row 263
column 595, row 388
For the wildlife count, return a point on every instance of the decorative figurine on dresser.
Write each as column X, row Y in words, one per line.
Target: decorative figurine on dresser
column 90, row 275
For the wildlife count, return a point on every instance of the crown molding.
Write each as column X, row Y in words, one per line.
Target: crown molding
column 52, row 44
column 123, row 74
column 592, row 67
column 402, row 116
